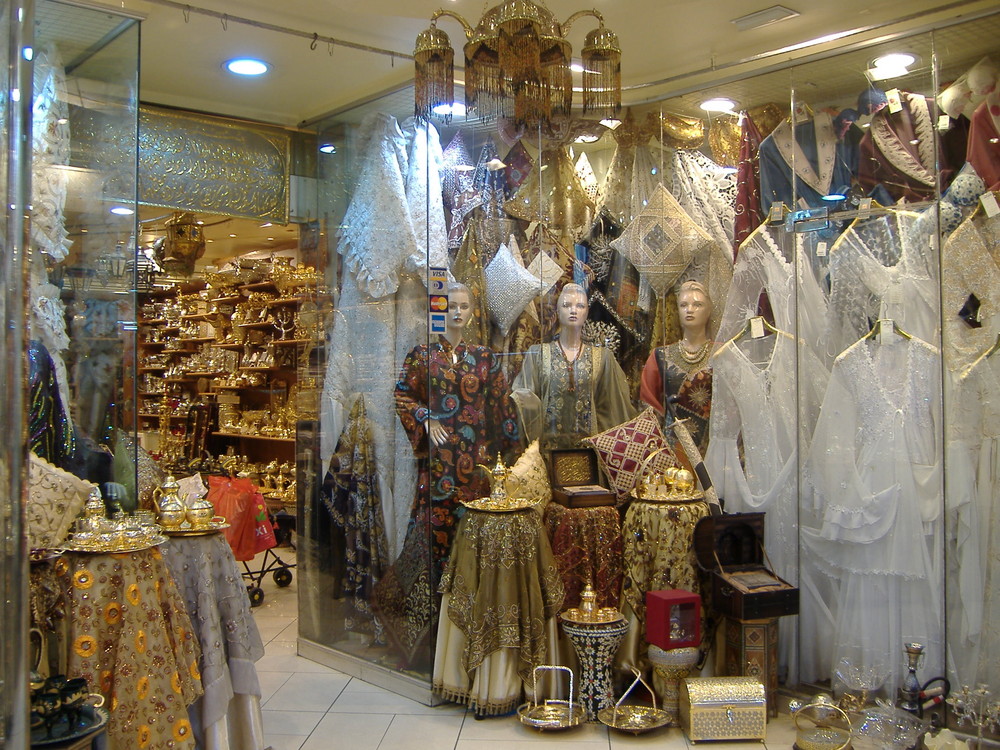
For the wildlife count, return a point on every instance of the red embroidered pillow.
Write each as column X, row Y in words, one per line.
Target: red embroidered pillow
column 623, row 449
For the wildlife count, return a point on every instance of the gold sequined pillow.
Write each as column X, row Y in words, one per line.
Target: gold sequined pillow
column 509, row 288
column 623, row 449
column 528, row 477
column 55, row 499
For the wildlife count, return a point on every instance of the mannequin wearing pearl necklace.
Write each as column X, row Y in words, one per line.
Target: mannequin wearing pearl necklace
column 681, row 369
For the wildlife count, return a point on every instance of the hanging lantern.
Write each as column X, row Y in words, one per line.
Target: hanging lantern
column 602, row 72
column 434, row 60
column 517, row 64
column 185, row 243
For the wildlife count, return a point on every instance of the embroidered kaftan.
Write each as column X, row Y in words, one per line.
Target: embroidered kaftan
column 464, row 389
column 872, row 537
column 666, row 374
column 562, row 402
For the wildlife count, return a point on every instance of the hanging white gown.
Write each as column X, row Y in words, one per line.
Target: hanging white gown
column 706, row 191
column 972, row 485
column 882, row 267
column 872, row 536
column 759, row 395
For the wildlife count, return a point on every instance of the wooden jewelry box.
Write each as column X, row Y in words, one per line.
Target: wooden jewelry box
column 731, row 547
column 575, row 479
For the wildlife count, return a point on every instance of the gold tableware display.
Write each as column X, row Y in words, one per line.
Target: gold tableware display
column 673, row 485
column 499, row 500
column 200, row 513
column 634, row 719
column 588, row 613
column 170, row 509
column 551, row 714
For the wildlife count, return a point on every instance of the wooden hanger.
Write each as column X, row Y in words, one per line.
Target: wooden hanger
column 880, row 326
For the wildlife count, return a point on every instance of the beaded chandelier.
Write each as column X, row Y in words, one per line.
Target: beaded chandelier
column 517, row 65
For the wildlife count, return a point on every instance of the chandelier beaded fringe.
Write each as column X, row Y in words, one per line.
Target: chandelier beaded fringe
column 517, row 65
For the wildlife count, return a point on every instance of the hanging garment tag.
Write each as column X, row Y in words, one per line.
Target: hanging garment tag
column 989, row 201
column 777, row 213
column 821, row 249
column 864, row 208
column 757, row 327
column 944, row 123
column 885, row 330
column 895, row 102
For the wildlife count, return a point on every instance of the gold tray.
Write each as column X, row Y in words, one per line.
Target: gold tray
column 634, row 719
column 487, row 504
column 602, row 616
column 553, row 714
column 114, row 549
column 679, row 499
column 215, row 528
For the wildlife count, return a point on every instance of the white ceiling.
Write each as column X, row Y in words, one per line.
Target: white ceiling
column 182, row 54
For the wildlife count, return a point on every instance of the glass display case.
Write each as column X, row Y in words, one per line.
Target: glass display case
column 832, row 359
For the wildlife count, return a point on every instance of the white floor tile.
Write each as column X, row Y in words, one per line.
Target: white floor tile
column 669, row 738
column 290, row 632
column 510, row 729
column 380, row 701
column 349, row 731
column 270, row 682
column 307, row 692
column 422, row 733
column 282, row 656
column 283, row 741
column 525, row 745
column 299, row 723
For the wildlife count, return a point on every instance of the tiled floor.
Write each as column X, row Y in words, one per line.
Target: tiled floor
column 308, row 706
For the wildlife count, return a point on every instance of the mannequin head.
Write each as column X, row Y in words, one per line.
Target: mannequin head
column 459, row 310
column 572, row 307
column 694, row 307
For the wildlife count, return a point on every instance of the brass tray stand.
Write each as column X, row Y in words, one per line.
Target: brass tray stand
column 634, row 719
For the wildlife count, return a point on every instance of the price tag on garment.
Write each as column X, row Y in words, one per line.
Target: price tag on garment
column 895, row 102
column 821, row 249
column 989, row 201
column 757, row 328
column 944, row 123
column 777, row 213
column 864, row 208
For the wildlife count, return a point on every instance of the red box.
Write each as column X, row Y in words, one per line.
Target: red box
column 673, row 618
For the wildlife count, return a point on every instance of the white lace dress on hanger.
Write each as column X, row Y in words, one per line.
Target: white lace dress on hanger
column 882, row 267
column 972, row 484
column 706, row 191
column 970, row 264
column 757, row 397
column 425, row 199
column 872, row 537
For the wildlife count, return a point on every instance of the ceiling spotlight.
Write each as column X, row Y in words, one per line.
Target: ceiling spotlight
column 247, row 66
column 122, row 211
column 719, row 104
column 327, row 148
column 454, row 109
column 893, row 65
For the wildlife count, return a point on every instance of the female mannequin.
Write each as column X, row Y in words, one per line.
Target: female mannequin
column 681, row 369
column 568, row 389
column 452, row 400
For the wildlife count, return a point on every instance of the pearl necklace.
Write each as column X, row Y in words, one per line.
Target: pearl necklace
column 695, row 357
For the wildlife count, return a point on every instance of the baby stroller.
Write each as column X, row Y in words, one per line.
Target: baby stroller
column 250, row 533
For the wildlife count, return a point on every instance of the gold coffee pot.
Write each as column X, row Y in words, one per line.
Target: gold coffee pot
column 170, row 508
column 498, row 476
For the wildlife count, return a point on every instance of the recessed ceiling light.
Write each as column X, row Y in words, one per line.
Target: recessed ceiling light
column 834, row 197
column 892, row 65
column 122, row 211
column 328, row 148
column 232, row 235
column 718, row 104
column 270, row 239
column 611, row 123
column 247, row 66
column 455, row 109
column 586, row 138
column 763, row 17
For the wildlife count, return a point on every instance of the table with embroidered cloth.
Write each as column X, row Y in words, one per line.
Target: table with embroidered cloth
column 587, row 544
column 130, row 637
column 658, row 555
column 228, row 715
column 501, row 594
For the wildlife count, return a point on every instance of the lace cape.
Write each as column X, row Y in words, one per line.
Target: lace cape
column 707, row 192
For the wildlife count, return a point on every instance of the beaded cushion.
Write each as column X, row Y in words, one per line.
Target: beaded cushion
column 55, row 499
column 546, row 269
column 509, row 289
column 622, row 450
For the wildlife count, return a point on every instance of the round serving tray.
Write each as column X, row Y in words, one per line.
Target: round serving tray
column 113, row 549
column 215, row 528
column 91, row 719
column 552, row 715
column 491, row 506
column 680, row 499
column 634, row 719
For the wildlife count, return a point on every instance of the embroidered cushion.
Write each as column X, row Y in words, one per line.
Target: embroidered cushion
column 623, row 449
column 529, row 478
column 510, row 287
column 55, row 499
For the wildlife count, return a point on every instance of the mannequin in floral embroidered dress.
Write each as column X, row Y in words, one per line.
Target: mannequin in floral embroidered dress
column 681, row 369
column 568, row 389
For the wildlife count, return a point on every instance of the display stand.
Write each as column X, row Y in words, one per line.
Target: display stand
column 752, row 651
column 596, row 644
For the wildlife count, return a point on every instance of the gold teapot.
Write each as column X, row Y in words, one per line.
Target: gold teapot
column 170, row 508
column 200, row 513
column 498, row 476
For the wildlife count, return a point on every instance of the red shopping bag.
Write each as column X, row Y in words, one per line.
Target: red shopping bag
column 263, row 527
column 236, row 500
